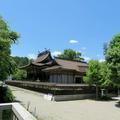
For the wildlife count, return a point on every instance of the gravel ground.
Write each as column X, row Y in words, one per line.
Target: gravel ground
column 66, row 110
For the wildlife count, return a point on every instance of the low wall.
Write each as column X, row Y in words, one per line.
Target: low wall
column 54, row 89
column 72, row 97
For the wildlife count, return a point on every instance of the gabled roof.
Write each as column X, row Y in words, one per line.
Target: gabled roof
column 43, row 57
column 46, row 63
column 68, row 65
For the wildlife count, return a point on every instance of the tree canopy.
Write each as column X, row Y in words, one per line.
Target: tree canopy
column 98, row 74
column 70, row 54
column 112, row 56
column 93, row 75
column 21, row 61
column 105, row 73
column 7, row 38
column 18, row 73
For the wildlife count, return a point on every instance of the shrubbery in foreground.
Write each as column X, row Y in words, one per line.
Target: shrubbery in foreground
column 6, row 95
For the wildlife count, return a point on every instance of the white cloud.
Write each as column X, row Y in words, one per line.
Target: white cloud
column 101, row 60
column 83, row 48
column 87, row 58
column 56, row 53
column 73, row 41
column 32, row 56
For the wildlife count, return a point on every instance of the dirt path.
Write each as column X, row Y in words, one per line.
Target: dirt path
column 67, row 110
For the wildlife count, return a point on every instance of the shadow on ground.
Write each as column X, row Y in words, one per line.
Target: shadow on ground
column 117, row 104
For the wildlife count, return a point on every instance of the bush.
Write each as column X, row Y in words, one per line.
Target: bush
column 105, row 97
column 20, row 75
column 6, row 95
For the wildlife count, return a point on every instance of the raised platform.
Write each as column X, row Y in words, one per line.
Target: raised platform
column 53, row 88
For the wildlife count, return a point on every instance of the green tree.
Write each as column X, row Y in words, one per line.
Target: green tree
column 7, row 38
column 70, row 54
column 6, row 95
column 112, row 56
column 93, row 74
column 21, row 61
column 105, row 73
column 19, row 75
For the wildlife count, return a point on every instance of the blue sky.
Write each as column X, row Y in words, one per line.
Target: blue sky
column 82, row 25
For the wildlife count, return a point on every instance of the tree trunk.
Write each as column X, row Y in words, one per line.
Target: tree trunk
column 96, row 91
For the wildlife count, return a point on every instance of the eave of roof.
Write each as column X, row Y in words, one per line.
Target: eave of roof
column 57, row 68
column 32, row 64
column 37, row 64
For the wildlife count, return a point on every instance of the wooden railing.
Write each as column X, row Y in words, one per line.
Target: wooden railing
column 14, row 111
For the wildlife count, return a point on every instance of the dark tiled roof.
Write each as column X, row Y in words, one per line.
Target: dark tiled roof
column 45, row 59
column 68, row 65
column 41, row 58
